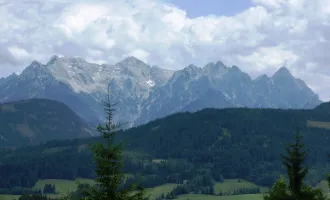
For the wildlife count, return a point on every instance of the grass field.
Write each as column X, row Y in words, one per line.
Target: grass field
column 62, row 186
column 9, row 197
column 318, row 124
column 324, row 186
column 209, row 197
column 227, row 186
column 157, row 191
column 158, row 160
column 230, row 185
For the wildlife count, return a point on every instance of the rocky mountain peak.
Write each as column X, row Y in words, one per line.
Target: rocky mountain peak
column 220, row 64
column 34, row 67
column 147, row 92
column 132, row 67
column 282, row 72
column 284, row 79
column 235, row 68
column 53, row 59
column 131, row 61
column 74, row 60
column 262, row 78
column 191, row 67
column 35, row 64
column 192, row 70
column 215, row 69
column 13, row 75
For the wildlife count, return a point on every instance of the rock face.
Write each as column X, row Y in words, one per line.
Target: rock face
column 145, row 93
column 39, row 120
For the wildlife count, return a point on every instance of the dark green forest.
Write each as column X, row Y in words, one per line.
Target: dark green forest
column 209, row 145
column 32, row 121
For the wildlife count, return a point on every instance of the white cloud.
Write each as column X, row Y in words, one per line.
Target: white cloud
column 259, row 40
column 264, row 57
column 77, row 18
column 270, row 3
column 18, row 53
column 140, row 53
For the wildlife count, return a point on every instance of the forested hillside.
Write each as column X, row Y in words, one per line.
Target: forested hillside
column 215, row 143
column 38, row 120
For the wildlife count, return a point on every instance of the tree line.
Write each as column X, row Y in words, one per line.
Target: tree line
column 109, row 164
column 187, row 142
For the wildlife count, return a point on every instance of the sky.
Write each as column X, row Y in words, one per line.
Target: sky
column 259, row 36
column 199, row 8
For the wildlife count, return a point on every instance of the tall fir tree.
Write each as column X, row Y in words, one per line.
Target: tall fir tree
column 109, row 163
column 328, row 178
column 293, row 163
column 296, row 190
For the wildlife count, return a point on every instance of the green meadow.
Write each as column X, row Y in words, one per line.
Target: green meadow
column 228, row 186
column 64, row 186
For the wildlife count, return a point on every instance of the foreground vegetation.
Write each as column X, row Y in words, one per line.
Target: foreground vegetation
column 210, row 197
column 227, row 186
column 188, row 155
column 110, row 183
column 294, row 188
column 184, row 145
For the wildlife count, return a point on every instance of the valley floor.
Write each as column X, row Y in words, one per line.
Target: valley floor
column 64, row 186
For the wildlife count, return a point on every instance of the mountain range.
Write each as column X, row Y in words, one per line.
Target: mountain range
column 145, row 93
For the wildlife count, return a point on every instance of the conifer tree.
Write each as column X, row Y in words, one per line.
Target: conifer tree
column 293, row 163
column 297, row 190
column 328, row 178
column 109, row 163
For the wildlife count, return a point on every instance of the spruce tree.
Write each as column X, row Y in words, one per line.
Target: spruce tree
column 328, row 178
column 293, row 163
column 278, row 191
column 109, row 163
column 297, row 190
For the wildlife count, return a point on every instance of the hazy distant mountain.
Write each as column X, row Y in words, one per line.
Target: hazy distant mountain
column 83, row 85
column 218, row 86
column 39, row 120
column 145, row 93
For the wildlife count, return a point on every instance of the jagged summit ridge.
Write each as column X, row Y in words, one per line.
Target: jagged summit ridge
column 132, row 61
column 282, row 72
column 52, row 59
column 145, row 93
column 262, row 77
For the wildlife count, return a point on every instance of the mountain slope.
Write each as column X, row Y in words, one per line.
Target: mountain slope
column 83, row 85
column 233, row 143
column 38, row 120
column 236, row 142
column 218, row 86
column 148, row 92
column 280, row 124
